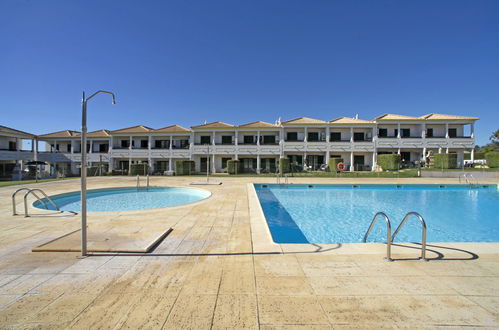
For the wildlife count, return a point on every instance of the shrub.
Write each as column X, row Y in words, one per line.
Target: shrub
column 333, row 163
column 478, row 155
column 389, row 162
column 444, row 160
column 283, row 165
column 184, row 167
column 139, row 169
column 233, row 166
column 492, row 158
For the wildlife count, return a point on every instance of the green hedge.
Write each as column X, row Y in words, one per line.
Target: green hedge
column 444, row 160
column 492, row 159
column 478, row 155
column 139, row 169
column 333, row 163
column 283, row 165
column 389, row 162
column 233, row 166
column 184, row 167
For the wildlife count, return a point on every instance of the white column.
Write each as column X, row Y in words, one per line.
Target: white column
column 440, row 150
column 472, row 130
column 130, row 146
column 446, row 130
column 149, row 142
column 72, row 147
column 373, row 167
column 91, row 142
column 351, row 162
column 171, row 142
column 55, row 146
column 398, row 130
column 170, row 164
column 236, row 138
column 149, row 157
column 35, row 149
column 258, row 138
column 327, row 134
column 281, row 143
column 424, row 154
column 398, row 151
column 213, row 138
column 446, row 150
column 351, row 134
column 258, row 163
column 423, row 130
column 305, row 134
column 213, row 167
column 473, row 155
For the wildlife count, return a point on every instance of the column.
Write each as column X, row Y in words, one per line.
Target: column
column 440, row 150
column 258, row 163
column 55, row 146
column 398, row 130
column 398, row 151
column 149, row 158
column 35, row 150
column 351, row 162
column 258, row 138
column 327, row 134
column 446, row 130
column 423, row 130
column 236, row 143
column 170, row 164
column 72, row 147
column 374, row 135
column 213, row 167
column 281, row 143
column 424, row 157
column 305, row 134
column 91, row 147
column 130, row 155
column 373, row 167
column 472, row 155
column 171, row 142
column 110, row 160
column 191, row 145
column 130, row 146
column 351, row 134
column 447, row 150
column 472, row 130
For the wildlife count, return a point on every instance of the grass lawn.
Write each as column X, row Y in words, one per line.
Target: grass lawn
column 15, row 183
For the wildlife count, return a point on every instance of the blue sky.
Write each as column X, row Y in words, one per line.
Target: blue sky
column 187, row 62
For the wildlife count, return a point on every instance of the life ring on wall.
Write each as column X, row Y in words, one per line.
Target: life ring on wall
column 341, row 167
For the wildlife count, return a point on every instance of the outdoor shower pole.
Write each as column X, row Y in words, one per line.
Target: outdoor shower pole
column 84, row 168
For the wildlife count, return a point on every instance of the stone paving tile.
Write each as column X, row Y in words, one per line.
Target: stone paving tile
column 237, row 278
column 192, row 312
column 235, row 311
column 148, row 311
column 284, row 285
column 277, row 265
column 296, row 327
column 474, row 286
column 292, row 310
column 25, row 307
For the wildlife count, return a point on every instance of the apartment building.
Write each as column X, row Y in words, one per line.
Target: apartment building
column 258, row 145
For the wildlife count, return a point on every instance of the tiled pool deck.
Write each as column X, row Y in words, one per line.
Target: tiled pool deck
column 218, row 269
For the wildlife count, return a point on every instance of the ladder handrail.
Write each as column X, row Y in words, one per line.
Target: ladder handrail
column 423, row 230
column 14, row 199
column 388, row 233
column 138, row 182
column 147, row 181
column 286, row 179
column 278, row 178
column 32, row 191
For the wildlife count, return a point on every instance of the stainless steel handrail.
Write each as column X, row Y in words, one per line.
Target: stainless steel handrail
column 147, row 181
column 423, row 230
column 388, row 233
column 14, row 200
column 286, row 179
column 278, row 178
column 32, row 191
column 138, row 182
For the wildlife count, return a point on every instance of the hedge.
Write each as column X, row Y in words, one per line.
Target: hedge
column 389, row 162
column 139, row 169
column 283, row 165
column 444, row 160
column 333, row 163
column 233, row 166
column 184, row 167
column 478, row 155
column 492, row 158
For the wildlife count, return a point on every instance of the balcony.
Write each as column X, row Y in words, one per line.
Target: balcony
column 224, row 143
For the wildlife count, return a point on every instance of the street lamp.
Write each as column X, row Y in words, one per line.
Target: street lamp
column 84, row 168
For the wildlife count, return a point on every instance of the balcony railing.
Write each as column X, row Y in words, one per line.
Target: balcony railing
column 224, row 143
column 297, row 140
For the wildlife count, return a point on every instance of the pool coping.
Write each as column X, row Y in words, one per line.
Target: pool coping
column 263, row 243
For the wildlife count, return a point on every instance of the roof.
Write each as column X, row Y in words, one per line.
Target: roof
column 258, row 124
column 133, row 129
column 8, row 130
column 215, row 124
column 390, row 116
column 172, row 129
column 101, row 133
column 303, row 120
column 438, row 116
column 60, row 134
column 350, row 121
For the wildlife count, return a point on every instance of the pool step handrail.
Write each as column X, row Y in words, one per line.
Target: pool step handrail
column 147, row 182
column 14, row 199
column 138, row 182
column 423, row 231
column 32, row 192
column 388, row 233
column 469, row 179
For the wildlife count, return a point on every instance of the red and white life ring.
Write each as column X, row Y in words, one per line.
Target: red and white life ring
column 341, row 167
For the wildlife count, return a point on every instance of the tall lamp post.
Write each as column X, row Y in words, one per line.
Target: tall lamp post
column 84, row 168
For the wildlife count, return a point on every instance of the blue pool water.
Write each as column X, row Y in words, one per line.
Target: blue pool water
column 126, row 199
column 342, row 213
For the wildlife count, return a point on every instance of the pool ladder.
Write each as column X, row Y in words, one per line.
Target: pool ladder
column 147, row 182
column 468, row 179
column 390, row 238
column 278, row 178
column 32, row 192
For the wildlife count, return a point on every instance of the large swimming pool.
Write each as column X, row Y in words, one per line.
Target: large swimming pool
column 342, row 213
column 127, row 199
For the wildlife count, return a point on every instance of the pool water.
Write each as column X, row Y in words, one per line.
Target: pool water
column 342, row 213
column 127, row 199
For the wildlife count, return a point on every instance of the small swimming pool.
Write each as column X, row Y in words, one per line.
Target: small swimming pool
column 127, row 199
column 342, row 213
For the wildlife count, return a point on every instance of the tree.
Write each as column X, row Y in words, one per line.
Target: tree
column 494, row 143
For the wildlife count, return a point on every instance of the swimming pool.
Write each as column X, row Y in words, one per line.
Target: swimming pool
column 127, row 199
column 342, row 213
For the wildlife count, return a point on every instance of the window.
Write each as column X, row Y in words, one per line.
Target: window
column 268, row 139
column 292, row 136
column 103, row 147
column 405, row 132
column 162, row 144
column 405, row 157
column 313, row 136
column 396, row 132
column 184, row 144
column 205, row 139
column 382, row 132
column 12, row 146
column 226, row 139
column 125, row 143
column 248, row 139
column 68, row 147
column 143, row 144
column 335, row 136
column 224, row 162
column 429, row 132
column 359, row 136
column 452, row 132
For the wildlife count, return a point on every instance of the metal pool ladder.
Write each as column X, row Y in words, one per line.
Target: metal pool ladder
column 32, row 192
column 278, row 178
column 388, row 233
column 147, row 182
column 468, row 179
column 423, row 231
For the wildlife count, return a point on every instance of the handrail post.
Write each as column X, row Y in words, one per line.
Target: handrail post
column 389, row 238
column 147, row 181
column 14, row 212
column 138, row 183
column 423, row 232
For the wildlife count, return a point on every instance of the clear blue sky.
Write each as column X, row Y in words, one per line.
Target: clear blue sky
column 239, row 61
